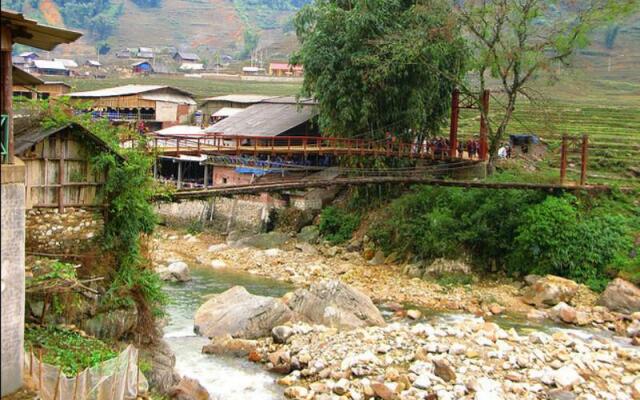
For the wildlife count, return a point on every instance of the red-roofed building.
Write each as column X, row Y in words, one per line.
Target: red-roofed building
column 285, row 69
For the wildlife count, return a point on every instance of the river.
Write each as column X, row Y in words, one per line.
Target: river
column 226, row 378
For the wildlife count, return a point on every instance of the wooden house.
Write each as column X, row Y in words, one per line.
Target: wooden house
column 29, row 56
column 58, row 173
column 285, row 69
column 159, row 106
column 41, row 90
column 183, row 57
column 46, row 67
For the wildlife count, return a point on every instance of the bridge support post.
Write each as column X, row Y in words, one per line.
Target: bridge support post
column 206, row 176
column 484, row 127
column 563, row 159
column 583, row 161
column 179, row 174
column 453, row 131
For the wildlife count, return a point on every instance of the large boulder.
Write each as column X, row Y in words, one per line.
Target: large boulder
column 111, row 324
column 188, row 389
column 550, row 291
column 334, row 304
column 226, row 345
column 176, row 272
column 442, row 266
column 621, row 296
column 263, row 241
column 240, row 314
column 162, row 376
column 309, row 234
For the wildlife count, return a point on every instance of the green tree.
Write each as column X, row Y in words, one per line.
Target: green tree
column 370, row 64
column 515, row 41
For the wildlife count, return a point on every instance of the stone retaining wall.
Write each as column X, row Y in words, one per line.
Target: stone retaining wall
column 72, row 231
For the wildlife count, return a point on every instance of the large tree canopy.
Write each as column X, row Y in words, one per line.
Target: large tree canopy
column 373, row 65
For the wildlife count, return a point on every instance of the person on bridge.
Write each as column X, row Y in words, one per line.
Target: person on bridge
column 461, row 149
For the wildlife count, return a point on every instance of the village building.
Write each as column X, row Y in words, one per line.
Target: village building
column 124, row 53
column 24, row 84
column 285, row 69
column 251, row 71
column 145, row 52
column 20, row 62
column 29, row 56
column 158, row 106
column 15, row 28
column 92, row 64
column 142, row 67
column 50, row 68
column 183, row 57
column 192, row 67
column 41, row 90
column 211, row 105
column 68, row 63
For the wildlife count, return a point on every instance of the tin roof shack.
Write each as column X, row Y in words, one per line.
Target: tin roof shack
column 285, row 69
column 41, row 90
column 159, row 106
column 52, row 68
column 63, row 193
column 142, row 67
column 145, row 52
column 211, row 105
column 183, row 57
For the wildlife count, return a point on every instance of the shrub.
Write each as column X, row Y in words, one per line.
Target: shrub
column 554, row 238
column 337, row 225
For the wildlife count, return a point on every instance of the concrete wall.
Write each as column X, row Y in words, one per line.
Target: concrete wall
column 71, row 232
column 13, row 239
column 248, row 212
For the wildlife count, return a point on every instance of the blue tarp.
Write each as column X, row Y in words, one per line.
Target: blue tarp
column 257, row 171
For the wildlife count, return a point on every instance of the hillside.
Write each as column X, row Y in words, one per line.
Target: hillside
column 205, row 26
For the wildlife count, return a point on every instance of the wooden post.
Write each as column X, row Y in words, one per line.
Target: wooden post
column 206, row 176
column 61, row 179
column 453, row 129
column 6, row 69
column 563, row 159
column 179, row 175
column 583, row 161
column 484, row 127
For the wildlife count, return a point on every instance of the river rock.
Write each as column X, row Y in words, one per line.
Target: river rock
column 281, row 333
column 486, row 389
column 334, row 304
column 176, row 271
column 621, row 296
column 309, row 234
column 111, row 324
column 216, row 248
column 414, row 314
column 413, row 270
column 296, row 392
column 383, row 391
column 563, row 312
column 442, row 266
column 240, row 314
column 550, row 291
column 530, row 280
column 567, row 377
column 263, row 241
column 162, row 376
column 188, row 389
column 444, row 370
column 378, row 258
column 226, row 345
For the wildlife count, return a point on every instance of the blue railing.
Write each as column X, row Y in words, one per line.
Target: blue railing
column 4, row 130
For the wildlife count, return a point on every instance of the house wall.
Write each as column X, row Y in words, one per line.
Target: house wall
column 69, row 232
column 166, row 111
column 13, row 258
column 228, row 176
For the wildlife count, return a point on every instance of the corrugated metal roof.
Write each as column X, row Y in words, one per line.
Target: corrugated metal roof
column 170, row 97
column 290, row 100
column 181, row 130
column 188, row 56
column 227, row 112
column 94, row 63
column 126, row 91
column 67, row 62
column 192, row 66
column 264, row 120
column 240, row 98
column 46, row 64
column 21, row 77
column 30, row 33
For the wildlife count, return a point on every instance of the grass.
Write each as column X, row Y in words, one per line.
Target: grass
column 67, row 349
column 200, row 87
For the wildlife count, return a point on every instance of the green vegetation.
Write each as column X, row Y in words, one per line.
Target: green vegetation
column 130, row 217
column 337, row 225
column 371, row 65
column 266, row 14
column 588, row 239
column 67, row 349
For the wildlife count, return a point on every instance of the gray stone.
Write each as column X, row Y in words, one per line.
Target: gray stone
column 413, row 270
column 309, row 234
column 378, row 258
column 176, row 271
column 621, row 296
column 531, row 279
column 442, row 266
column 334, row 304
column 263, row 241
column 162, row 376
column 281, row 333
column 559, row 394
column 112, row 324
column 188, row 389
column 240, row 314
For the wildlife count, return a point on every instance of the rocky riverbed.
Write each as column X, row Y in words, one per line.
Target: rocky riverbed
column 411, row 356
